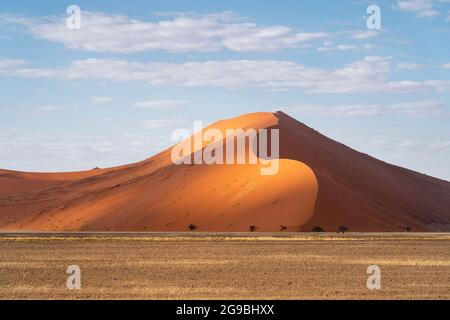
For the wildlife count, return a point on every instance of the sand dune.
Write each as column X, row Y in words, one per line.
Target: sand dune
column 320, row 183
column 16, row 181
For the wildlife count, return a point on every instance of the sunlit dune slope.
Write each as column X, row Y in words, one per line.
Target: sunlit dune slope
column 321, row 183
column 213, row 198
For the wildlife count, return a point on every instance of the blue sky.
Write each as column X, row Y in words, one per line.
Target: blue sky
column 113, row 91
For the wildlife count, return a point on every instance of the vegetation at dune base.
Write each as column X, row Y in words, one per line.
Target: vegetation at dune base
column 192, row 227
column 318, row 229
column 342, row 229
column 406, row 228
column 282, row 228
column 252, row 228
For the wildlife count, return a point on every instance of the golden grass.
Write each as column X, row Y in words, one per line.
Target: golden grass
column 250, row 237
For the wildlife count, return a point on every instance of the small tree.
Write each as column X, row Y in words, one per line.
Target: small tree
column 408, row 229
column 282, row 228
column 318, row 229
column 252, row 228
column 342, row 229
column 192, row 227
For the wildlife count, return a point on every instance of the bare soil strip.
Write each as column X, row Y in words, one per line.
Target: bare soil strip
column 224, row 266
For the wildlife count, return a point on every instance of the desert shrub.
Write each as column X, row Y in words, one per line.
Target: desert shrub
column 252, row 228
column 192, row 227
column 318, row 229
column 342, row 229
column 282, row 228
column 408, row 229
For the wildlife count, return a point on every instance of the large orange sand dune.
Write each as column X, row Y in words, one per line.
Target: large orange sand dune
column 320, row 183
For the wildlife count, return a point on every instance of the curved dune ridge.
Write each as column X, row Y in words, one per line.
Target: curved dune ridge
column 320, row 183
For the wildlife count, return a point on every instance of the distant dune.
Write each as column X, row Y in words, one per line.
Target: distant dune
column 321, row 183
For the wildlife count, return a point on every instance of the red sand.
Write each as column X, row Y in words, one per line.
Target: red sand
column 320, row 183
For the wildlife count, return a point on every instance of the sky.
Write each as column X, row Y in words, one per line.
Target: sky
column 112, row 91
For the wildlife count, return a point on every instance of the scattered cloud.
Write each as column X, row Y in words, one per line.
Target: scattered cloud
column 446, row 66
column 423, row 8
column 164, row 123
column 100, row 100
column 183, row 32
column 368, row 75
column 161, row 104
column 406, row 151
column 365, row 35
column 40, row 110
column 38, row 151
column 409, row 66
column 347, row 47
column 6, row 64
column 426, row 108
column 345, row 110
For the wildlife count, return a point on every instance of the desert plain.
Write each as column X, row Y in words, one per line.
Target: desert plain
column 184, row 265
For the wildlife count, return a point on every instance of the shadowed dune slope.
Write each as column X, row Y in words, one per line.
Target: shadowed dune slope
column 320, row 183
column 362, row 192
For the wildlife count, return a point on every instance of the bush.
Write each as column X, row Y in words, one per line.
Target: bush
column 252, row 228
column 318, row 229
column 192, row 227
column 282, row 228
column 342, row 229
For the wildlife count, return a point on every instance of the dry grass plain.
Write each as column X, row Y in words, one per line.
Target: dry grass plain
column 224, row 266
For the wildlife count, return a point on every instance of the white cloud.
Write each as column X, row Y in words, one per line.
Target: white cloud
column 424, row 152
column 40, row 110
column 428, row 13
column 6, row 64
column 446, row 66
column 345, row 110
column 423, row 8
column 161, row 104
column 39, row 151
column 426, row 108
column 409, row 66
column 347, row 47
column 363, row 47
column 365, row 35
column 100, row 100
column 164, row 123
column 102, row 32
column 368, row 75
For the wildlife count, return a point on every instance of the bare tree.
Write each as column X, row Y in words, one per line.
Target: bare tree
column 342, row 229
